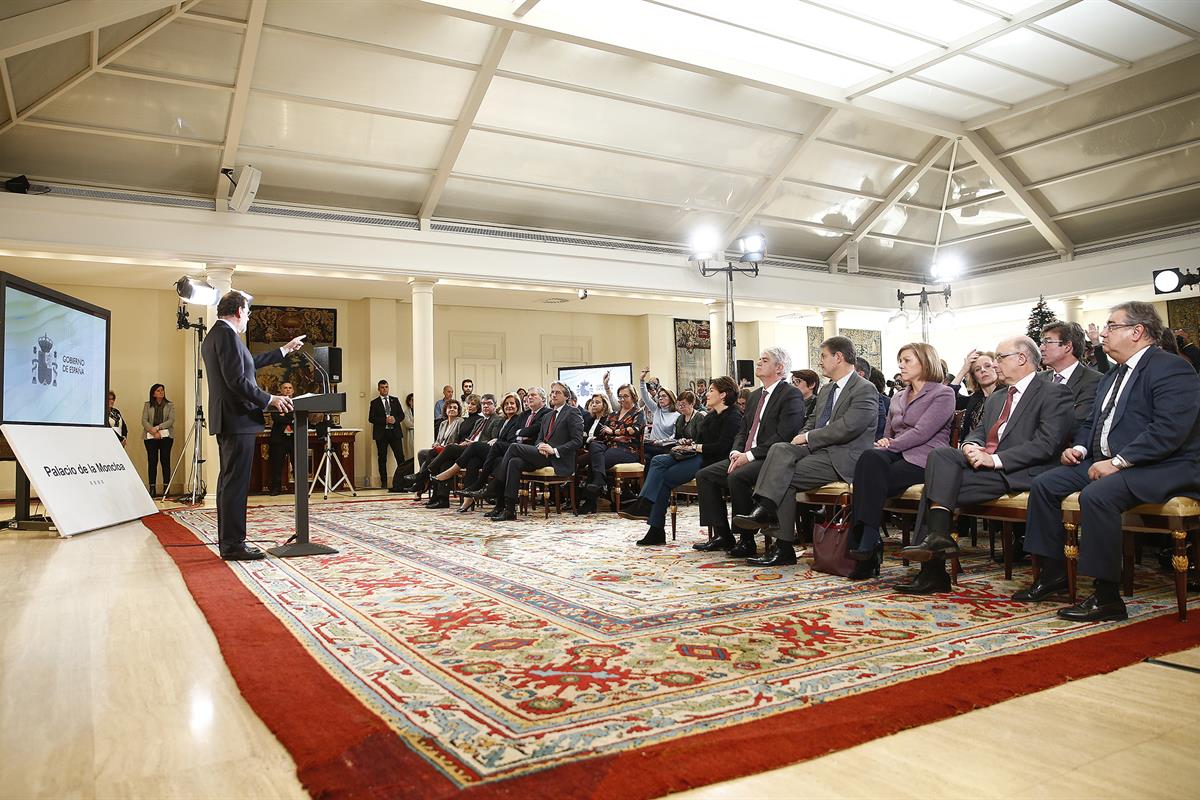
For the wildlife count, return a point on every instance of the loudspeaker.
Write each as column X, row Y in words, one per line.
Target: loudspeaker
column 246, row 182
column 330, row 359
column 745, row 370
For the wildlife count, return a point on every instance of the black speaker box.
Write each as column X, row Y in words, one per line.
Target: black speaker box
column 745, row 370
column 330, row 359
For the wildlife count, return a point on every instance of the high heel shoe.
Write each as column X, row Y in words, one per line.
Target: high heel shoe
column 869, row 568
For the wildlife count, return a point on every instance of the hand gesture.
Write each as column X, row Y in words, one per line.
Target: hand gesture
column 607, row 431
column 295, row 344
column 545, row 449
column 390, row 419
column 1070, row 457
column 1093, row 333
column 736, row 460
column 606, row 374
column 645, row 371
column 970, row 359
column 280, row 403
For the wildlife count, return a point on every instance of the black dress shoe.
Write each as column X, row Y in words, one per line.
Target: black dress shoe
column 506, row 513
column 865, row 570
column 780, row 555
column 1041, row 589
column 640, row 510
column 438, row 502
column 585, row 506
column 654, row 536
column 722, row 541
column 745, row 548
column 760, row 517
column 928, row 581
column 1093, row 610
column 593, row 490
column 463, row 509
column 244, row 553
column 935, row 545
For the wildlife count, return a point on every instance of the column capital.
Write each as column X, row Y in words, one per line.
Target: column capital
column 829, row 315
column 220, row 270
column 422, row 285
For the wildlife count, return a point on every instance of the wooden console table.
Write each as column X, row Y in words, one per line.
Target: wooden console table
column 342, row 440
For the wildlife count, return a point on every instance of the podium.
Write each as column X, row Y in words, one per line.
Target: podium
column 305, row 404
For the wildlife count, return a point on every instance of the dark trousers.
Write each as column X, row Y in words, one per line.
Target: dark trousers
column 950, row 482
column 878, row 475
column 663, row 474
column 1101, row 504
column 711, row 483
column 518, row 459
column 602, row 458
column 395, row 442
column 472, row 459
column 236, row 453
column 653, row 450
column 159, row 451
column 277, row 451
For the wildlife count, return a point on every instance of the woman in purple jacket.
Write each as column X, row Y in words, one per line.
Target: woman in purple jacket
column 919, row 420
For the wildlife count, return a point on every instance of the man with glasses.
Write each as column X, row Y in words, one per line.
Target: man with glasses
column 1022, row 430
column 1141, row 445
column 1062, row 347
column 558, row 440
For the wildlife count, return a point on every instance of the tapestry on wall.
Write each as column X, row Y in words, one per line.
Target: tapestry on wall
column 271, row 327
column 1185, row 314
column 693, row 353
column 868, row 345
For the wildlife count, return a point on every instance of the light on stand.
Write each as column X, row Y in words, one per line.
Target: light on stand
column 753, row 248
column 1172, row 280
column 705, row 246
column 196, row 291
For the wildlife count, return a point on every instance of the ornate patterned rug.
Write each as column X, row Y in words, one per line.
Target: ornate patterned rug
column 501, row 658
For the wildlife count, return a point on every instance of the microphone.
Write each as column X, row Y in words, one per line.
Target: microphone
column 320, row 370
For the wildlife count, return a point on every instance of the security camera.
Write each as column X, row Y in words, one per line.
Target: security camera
column 582, row 294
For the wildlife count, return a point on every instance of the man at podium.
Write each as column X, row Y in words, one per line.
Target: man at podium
column 235, row 414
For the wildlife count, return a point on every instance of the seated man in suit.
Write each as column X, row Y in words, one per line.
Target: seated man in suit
column 774, row 413
column 825, row 451
column 1141, row 445
column 530, row 425
column 1062, row 348
column 1022, row 430
column 558, row 441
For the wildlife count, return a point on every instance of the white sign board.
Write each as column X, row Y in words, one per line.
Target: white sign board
column 83, row 476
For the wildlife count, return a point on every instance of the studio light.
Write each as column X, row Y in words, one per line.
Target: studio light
column 704, row 244
column 1172, row 280
column 946, row 268
column 753, row 248
column 196, row 291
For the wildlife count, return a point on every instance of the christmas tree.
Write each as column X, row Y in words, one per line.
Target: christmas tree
column 1040, row 317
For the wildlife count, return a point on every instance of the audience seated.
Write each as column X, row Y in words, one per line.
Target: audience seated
column 618, row 441
column 498, row 434
column 776, row 415
column 1062, row 346
column 450, row 431
column 711, row 444
column 865, row 371
column 1140, row 445
column 476, row 427
column 690, row 418
column 557, row 441
column 1020, row 435
column 530, row 422
column 982, row 379
column 743, row 398
column 661, row 415
column 807, row 382
column 825, row 451
column 919, row 420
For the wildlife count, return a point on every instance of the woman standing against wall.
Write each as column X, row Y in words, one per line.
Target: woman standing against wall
column 158, row 421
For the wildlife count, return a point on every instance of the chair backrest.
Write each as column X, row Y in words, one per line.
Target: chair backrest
column 956, row 427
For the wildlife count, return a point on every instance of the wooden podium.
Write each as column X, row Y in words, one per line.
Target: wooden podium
column 305, row 404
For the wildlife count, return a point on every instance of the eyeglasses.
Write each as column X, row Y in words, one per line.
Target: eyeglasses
column 1111, row 325
column 1006, row 355
column 1054, row 342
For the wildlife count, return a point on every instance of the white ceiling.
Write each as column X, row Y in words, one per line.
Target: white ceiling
column 981, row 130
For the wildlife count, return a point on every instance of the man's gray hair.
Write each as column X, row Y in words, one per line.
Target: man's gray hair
column 1030, row 348
column 539, row 391
column 1143, row 314
column 780, row 356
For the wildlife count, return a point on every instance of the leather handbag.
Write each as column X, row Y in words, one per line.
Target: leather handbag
column 831, row 543
column 683, row 453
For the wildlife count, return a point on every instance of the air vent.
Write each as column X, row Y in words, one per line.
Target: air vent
column 547, row 237
column 403, row 223
column 145, row 198
column 554, row 301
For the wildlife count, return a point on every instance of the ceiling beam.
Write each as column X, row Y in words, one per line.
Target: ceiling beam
column 962, row 45
column 1104, row 55
column 1004, row 178
column 241, row 98
column 458, row 136
column 1128, row 201
column 121, row 133
column 1166, row 22
column 1098, row 82
column 1107, row 165
column 524, row 8
column 155, row 77
column 6, row 83
column 87, row 72
column 55, row 23
column 767, row 190
column 932, row 154
column 623, row 198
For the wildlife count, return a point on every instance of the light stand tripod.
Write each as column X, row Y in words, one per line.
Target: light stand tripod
column 196, row 488
column 323, row 474
column 745, row 268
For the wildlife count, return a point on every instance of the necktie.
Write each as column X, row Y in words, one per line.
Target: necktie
column 762, row 403
column 478, row 429
column 1096, row 450
column 387, row 410
column 1058, row 378
column 553, row 419
column 827, row 411
column 993, row 437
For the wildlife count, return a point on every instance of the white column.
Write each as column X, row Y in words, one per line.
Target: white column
column 1073, row 308
column 422, row 362
column 220, row 276
column 717, row 339
column 829, row 319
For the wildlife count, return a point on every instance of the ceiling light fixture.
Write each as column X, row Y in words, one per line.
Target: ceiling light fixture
column 1172, row 280
column 196, row 291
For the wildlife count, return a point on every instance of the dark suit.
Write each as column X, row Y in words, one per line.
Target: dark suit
column 830, row 455
column 781, row 420
column 1155, row 426
column 562, row 431
column 477, row 454
column 529, row 424
column 235, row 415
column 1082, row 383
column 279, row 447
column 1031, row 443
column 387, row 436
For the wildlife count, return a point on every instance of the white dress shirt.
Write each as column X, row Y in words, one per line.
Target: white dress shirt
column 1131, row 364
column 1022, row 386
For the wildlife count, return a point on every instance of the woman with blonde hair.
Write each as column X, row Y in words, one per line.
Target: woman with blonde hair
column 918, row 421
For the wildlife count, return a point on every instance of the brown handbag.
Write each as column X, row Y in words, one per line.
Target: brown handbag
column 831, row 543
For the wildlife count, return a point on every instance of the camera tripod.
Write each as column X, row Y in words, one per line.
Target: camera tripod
column 323, row 474
column 196, row 488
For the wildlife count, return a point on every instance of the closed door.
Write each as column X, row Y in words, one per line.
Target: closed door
column 486, row 373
